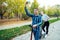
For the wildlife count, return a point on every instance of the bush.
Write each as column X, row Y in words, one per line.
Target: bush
column 25, row 17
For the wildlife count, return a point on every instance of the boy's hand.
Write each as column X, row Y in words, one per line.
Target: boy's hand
column 27, row 4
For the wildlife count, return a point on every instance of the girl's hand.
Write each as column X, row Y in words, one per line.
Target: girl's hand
column 34, row 26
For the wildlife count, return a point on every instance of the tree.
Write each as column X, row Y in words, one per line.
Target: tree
column 34, row 5
column 16, row 7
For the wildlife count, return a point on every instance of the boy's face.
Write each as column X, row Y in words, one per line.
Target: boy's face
column 36, row 11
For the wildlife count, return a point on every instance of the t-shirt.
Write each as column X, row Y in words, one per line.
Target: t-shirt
column 45, row 17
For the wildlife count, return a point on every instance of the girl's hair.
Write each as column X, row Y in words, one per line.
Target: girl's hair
column 36, row 8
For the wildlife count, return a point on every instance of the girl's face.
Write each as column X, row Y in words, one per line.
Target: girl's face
column 41, row 12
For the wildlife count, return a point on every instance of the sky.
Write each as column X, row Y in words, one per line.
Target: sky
column 47, row 3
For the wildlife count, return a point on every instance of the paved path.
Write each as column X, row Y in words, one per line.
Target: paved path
column 54, row 33
column 3, row 27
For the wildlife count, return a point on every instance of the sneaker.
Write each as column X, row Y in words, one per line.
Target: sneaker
column 43, row 32
column 46, row 35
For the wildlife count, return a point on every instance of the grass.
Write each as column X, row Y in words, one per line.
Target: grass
column 8, row 34
column 54, row 20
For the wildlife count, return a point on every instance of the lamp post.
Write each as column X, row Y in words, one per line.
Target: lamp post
column 3, row 5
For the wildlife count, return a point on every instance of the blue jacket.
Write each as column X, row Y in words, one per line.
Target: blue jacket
column 36, row 20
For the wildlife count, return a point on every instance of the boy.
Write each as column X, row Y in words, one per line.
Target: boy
column 36, row 22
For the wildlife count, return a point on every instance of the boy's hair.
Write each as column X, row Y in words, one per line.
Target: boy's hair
column 36, row 8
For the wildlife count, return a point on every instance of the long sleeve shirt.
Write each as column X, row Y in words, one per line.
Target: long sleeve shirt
column 36, row 20
column 45, row 17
